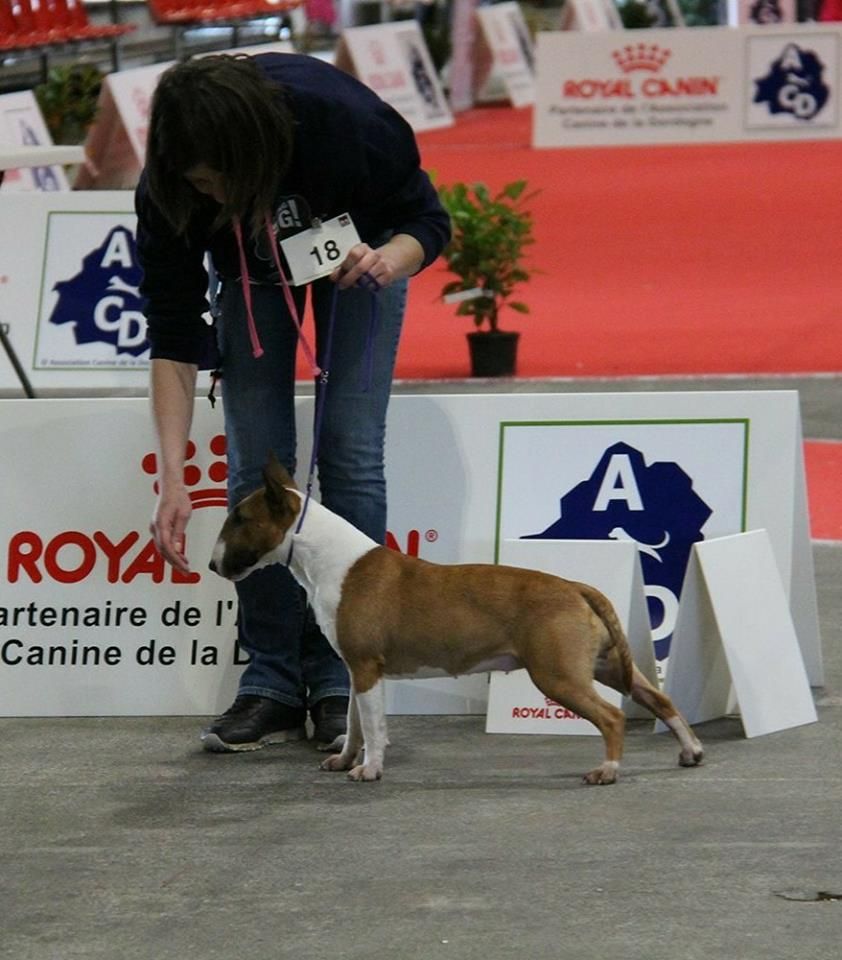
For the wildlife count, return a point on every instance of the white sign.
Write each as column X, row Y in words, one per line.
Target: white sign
column 688, row 86
column 462, row 65
column 736, row 636
column 78, row 575
column 761, row 12
column 318, row 251
column 21, row 125
column 392, row 59
column 116, row 143
column 507, row 37
column 590, row 15
column 70, row 299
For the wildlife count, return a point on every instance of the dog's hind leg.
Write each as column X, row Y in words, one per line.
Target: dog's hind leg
column 658, row 703
column 644, row 693
column 579, row 695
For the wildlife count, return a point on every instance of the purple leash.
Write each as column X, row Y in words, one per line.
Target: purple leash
column 321, row 388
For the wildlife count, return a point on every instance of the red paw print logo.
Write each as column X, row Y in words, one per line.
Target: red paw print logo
column 205, row 496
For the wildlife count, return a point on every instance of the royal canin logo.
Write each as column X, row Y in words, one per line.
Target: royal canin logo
column 641, row 56
column 217, row 473
column 73, row 556
column 648, row 59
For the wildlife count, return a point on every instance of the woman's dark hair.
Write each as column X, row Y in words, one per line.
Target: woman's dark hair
column 223, row 112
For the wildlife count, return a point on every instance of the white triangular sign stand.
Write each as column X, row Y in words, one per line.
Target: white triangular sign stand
column 590, row 15
column 116, row 143
column 515, row 705
column 734, row 633
column 393, row 59
column 509, row 51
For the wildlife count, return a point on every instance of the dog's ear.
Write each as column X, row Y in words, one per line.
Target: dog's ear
column 278, row 472
column 277, row 481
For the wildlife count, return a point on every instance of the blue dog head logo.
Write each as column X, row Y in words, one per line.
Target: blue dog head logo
column 794, row 84
column 102, row 301
column 655, row 506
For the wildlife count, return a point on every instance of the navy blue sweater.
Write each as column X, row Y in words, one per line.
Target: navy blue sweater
column 352, row 153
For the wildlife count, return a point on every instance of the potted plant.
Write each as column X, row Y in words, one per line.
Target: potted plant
column 68, row 100
column 486, row 252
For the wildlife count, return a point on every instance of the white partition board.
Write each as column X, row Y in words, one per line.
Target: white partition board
column 803, row 601
column 735, row 634
column 92, row 554
column 515, row 705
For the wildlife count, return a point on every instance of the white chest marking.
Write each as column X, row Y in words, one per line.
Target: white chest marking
column 322, row 555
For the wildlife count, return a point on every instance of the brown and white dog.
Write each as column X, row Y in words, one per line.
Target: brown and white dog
column 390, row 615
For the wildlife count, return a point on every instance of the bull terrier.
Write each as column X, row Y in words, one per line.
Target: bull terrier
column 390, row 615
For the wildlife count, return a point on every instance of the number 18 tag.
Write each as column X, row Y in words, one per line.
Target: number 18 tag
column 318, row 251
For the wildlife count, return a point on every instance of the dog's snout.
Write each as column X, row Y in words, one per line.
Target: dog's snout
column 217, row 558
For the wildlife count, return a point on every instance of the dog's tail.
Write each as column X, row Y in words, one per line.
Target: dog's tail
column 618, row 644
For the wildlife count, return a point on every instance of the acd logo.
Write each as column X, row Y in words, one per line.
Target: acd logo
column 794, row 84
column 655, row 506
column 102, row 300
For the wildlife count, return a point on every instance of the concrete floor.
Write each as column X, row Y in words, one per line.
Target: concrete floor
column 122, row 840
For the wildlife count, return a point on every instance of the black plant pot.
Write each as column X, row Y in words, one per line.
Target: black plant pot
column 493, row 353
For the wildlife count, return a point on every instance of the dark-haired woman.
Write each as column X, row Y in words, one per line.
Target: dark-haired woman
column 242, row 153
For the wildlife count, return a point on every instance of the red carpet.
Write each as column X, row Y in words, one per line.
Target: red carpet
column 823, row 462
column 659, row 260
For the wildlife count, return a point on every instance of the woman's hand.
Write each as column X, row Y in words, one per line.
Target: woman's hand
column 169, row 522
column 172, row 387
column 397, row 258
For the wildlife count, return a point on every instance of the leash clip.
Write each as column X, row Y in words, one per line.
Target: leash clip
column 216, row 376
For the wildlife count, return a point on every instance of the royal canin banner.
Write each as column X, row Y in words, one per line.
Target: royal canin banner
column 92, row 621
column 704, row 85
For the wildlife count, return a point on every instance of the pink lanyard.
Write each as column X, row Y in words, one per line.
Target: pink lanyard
column 256, row 348
column 320, row 374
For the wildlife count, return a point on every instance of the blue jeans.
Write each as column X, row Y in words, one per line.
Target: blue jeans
column 290, row 660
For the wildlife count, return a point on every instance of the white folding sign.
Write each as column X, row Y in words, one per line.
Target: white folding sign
column 507, row 37
column 735, row 633
column 116, row 143
column 22, row 125
column 393, row 59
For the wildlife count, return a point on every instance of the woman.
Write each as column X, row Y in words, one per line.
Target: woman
column 242, row 153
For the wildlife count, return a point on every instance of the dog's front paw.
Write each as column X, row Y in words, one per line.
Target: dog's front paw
column 366, row 772
column 337, row 761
